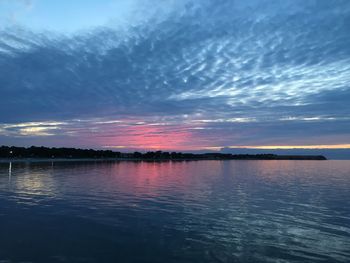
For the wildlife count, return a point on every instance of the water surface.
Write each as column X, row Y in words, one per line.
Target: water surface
column 205, row 211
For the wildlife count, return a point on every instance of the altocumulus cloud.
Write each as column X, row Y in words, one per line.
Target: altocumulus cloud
column 184, row 75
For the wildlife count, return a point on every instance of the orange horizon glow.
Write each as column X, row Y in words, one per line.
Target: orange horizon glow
column 286, row 147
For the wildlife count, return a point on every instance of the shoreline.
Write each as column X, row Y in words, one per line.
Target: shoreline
column 45, row 154
column 50, row 160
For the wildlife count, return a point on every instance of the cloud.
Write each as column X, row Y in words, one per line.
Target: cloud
column 12, row 9
column 250, row 72
column 30, row 129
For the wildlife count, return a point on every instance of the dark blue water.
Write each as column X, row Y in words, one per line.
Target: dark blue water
column 207, row 211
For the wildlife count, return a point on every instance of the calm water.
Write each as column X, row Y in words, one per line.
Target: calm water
column 207, row 211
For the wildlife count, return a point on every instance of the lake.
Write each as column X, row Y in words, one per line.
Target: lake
column 198, row 211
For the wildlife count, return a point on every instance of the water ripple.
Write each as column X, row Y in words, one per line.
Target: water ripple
column 231, row 211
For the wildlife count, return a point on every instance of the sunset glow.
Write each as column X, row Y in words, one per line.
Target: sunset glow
column 269, row 147
column 175, row 75
column 175, row 131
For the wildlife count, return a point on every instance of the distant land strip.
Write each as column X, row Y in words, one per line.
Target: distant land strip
column 56, row 154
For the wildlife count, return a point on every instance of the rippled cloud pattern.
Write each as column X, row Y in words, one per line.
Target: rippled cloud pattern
column 183, row 75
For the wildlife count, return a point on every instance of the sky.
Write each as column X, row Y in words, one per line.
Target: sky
column 184, row 75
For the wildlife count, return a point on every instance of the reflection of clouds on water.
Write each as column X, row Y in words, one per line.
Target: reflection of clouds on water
column 223, row 210
column 31, row 184
column 10, row 171
column 268, row 204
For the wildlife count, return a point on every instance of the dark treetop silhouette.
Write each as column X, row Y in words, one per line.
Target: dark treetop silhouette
column 72, row 153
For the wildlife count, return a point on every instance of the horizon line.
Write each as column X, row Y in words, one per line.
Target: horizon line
column 250, row 147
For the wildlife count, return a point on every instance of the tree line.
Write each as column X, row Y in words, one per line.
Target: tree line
column 73, row 153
